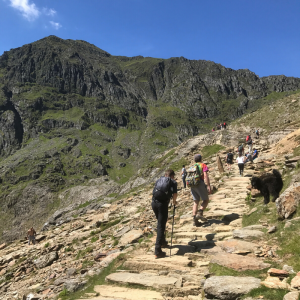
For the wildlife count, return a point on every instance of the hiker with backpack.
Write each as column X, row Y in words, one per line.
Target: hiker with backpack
column 257, row 133
column 224, row 125
column 255, row 154
column 240, row 149
column 241, row 162
column 183, row 176
column 249, row 143
column 197, row 175
column 165, row 188
column 229, row 160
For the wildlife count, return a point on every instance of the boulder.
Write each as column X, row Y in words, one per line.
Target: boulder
column 288, row 201
column 278, row 273
column 229, row 287
column 130, row 237
column 272, row 282
column 237, row 246
column 46, row 260
column 295, row 283
column 291, row 296
column 74, row 285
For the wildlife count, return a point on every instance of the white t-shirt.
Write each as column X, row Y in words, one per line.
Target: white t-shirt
column 183, row 172
column 240, row 159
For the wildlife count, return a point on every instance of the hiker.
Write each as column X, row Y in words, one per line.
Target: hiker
column 165, row 189
column 31, row 236
column 241, row 161
column 249, row 143
column 200, row 191
column 183, row 176
column 213, row 129
column 255, row 154
column 257, row 133
column 229, row 160
column 224, row 125
column 240, row 149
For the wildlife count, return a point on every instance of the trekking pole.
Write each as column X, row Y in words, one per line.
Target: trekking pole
column 172, row 229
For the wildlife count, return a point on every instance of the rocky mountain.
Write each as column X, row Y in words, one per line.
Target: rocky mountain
column 71, row 114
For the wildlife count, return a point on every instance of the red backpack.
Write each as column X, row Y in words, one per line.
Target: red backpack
column 247, row 138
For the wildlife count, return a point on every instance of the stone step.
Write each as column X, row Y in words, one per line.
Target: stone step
column 147, row 280
column 115, row 293
column 148, row 262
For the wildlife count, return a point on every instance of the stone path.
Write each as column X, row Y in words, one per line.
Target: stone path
column 221, row 241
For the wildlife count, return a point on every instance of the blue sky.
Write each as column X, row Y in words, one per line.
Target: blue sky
column 260, row 35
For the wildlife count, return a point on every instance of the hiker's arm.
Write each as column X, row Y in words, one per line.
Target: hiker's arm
column 174, row 199
column 206, row 179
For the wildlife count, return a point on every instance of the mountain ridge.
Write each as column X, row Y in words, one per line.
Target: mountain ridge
column 71, row 112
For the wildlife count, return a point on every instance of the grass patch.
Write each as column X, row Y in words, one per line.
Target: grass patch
column 95, row 280
column 46, row 245
column 110, row 224
column 82, row 253
column 223, row 271
column 94, row 239
column 268, row 294
column 207, row 151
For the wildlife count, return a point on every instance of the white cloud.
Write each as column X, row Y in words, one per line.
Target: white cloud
column 49, row 12
column 28, row 10
column 55, row 25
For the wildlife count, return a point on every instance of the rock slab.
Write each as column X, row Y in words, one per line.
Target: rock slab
column 229, row 287
column 291, row 296
column 246, row 234
column 46, row 260
column 238, row 262
column 288, row 201
column 131, row 237
column 148, row 280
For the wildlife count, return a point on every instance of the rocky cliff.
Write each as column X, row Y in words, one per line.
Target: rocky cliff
column 71, row 112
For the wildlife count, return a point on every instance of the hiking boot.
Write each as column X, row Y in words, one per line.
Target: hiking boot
column 160, row 255
column 200, row 216
column 195, row 222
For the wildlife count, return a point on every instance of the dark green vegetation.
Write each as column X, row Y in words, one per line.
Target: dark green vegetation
column 71, row 112
column 95, row 280
column 207, row 151
column 266, row 293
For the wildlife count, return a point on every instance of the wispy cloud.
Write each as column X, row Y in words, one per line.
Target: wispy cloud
column 49, row 12
column 55, row 25
column 27, row 9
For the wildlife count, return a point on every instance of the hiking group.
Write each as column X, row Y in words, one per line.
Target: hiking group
column 243, row 157
column 220, row 126
column 165, row 189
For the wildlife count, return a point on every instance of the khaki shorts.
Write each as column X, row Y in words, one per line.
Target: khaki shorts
column 199, row 192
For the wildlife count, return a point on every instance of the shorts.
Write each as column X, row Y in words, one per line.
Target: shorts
column 199, row 192
column 229, row 162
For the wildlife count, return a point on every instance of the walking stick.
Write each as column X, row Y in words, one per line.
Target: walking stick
column 172, row 229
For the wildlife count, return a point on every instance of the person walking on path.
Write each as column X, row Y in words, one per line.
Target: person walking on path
column 224, row 125
column 241, row 162
column 257, row 133
column 183, row 176
column 31, row 236
column 229, row 160
column 249, row 143
column 165, row 189
column 255, row 154
column 200, row 191
column 241, row 149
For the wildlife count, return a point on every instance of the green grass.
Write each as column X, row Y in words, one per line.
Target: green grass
column 218, row 270
column 207, row 151
column 95, row 280
column 268, row 294
column 94, row 239
column 82, row 253
column 110, row 224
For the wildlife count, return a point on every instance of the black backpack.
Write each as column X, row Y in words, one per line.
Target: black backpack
column 229, row 157
column 161, row 190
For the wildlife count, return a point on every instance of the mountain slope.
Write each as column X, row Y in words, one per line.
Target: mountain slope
column 71, row 112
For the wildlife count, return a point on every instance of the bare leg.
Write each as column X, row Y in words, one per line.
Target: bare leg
column 204, row 204
column 195, row 207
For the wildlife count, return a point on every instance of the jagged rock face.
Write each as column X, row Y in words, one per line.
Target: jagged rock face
column 71, row 112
